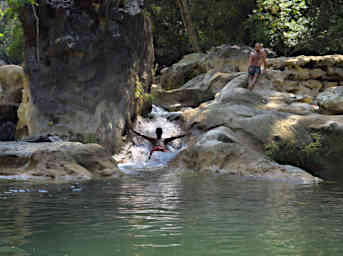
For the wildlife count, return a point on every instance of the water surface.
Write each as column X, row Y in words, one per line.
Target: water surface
column 168, row 214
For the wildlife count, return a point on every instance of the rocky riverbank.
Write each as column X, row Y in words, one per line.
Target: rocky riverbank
column 286, row 120
column 287, row 128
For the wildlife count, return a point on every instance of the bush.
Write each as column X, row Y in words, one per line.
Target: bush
column 281, row 24
column 11, row 37
column 293, row 27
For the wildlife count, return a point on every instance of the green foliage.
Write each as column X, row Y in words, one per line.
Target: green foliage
column 12, row 40
column 11, row 32
column 280, row 24
column 170, row 39
column 314, row 146
column 293, row 27
column 16, row 4
column 327, row 33
column 271, row 149
column 215, row 22
column 291, row 150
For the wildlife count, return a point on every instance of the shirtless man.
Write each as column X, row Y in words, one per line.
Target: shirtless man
column 256, row 59
column 158, row 144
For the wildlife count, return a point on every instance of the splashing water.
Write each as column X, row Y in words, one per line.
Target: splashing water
column 138, row 151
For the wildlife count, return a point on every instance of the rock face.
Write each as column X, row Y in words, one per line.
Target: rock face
column 89, row 71
column 55, row 161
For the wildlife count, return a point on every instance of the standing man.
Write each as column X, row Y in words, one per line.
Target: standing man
column 256, row 59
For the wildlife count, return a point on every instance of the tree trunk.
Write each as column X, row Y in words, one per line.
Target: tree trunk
column 187, row 21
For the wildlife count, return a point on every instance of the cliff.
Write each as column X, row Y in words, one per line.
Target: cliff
column 89, row 65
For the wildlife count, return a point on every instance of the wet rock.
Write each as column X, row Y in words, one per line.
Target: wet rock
column 55, row 161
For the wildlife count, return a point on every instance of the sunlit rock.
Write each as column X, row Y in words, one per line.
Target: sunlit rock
column 55, row 161
column 332, row 100
column 11, row 84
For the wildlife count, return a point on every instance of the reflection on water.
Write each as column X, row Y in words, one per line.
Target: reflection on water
column 168, row 214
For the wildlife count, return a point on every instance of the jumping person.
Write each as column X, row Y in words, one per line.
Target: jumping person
column 159, row 144
column 256, row 59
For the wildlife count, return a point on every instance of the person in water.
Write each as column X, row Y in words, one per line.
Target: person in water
column 159, row 144
column 256, row 59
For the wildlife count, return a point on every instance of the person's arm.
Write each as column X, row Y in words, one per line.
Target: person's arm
column 167, row 140
column 143, row 136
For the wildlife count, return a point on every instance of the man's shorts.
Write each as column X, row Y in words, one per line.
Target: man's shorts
column 254, row 70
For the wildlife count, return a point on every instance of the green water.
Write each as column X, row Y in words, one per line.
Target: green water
column 171, row 215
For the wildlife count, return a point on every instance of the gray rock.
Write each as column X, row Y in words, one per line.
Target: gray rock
column 267, row 122
column 93, row 76
column 196, row 91
column 221, row 150
column 331, row 100
column 55, row 161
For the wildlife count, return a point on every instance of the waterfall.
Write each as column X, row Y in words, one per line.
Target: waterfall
column 134, row 156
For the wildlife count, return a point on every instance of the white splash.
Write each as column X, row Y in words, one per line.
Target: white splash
column 139, row 151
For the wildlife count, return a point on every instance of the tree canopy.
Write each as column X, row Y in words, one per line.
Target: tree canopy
column 290, row 27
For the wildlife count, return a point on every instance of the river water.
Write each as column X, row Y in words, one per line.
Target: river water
column 164, row 213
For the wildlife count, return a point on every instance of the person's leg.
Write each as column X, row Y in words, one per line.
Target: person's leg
column 253, row 81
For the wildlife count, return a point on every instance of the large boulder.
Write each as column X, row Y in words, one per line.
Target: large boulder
column 309, row 141
column 224, row 59
column 196, row 91
column 11, row 84
column 222, row 150
column 93, row 72
column 331, row 100
column 55, row 161
column 181, row 72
